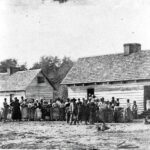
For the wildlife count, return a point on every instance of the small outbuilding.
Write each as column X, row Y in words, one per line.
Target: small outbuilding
column 124, row 76
column 29, row 84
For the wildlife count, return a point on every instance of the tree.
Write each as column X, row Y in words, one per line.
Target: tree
column 65, row 66
column 48, row 64
column 11, row 62
column 36, row 66
column 55, row 69
column 23, row 67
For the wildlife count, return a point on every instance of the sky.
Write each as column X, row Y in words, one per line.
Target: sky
column 30, row 29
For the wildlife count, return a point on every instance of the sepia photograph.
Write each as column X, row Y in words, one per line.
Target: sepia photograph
column 75, row 74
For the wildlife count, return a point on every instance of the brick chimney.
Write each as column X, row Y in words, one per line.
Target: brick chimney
column 11, row 70
column 130, row 48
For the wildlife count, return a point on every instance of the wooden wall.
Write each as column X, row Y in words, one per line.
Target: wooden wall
column 134, row 92
column 39, row 90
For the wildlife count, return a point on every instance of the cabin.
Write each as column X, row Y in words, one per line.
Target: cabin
column 124, row 76
column 29, row 84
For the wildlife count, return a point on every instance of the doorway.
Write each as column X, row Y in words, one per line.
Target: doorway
column 90, row 92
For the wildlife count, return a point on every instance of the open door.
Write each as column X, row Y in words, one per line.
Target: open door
column 90, row 92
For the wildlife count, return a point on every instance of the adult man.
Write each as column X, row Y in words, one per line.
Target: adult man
column 67, row 110
column 73, row 111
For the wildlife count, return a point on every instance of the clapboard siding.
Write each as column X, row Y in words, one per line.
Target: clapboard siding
column 123, row 96
column 39, row 91
column 123, row 92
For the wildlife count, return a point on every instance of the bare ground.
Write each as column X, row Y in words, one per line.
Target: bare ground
column 59, row 135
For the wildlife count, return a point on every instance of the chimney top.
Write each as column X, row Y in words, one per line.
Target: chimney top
column 11, row 70
column 130, row 48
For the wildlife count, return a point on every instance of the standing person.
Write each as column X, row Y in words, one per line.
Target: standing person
column 102, row 108
column 62, row 110
column 9, row 116
column 134, row 110
column 73, row 111
column 22, row 99
column 79, row 111
column 67, row 111
column 38, row 113
column 128, row 113
column 11, row 107
column 45, row 111
column 16, row 113
column 113, row 103
column 116, row 111
column 31, row 110
column 51, row 110
column 117, row 102
column 92, row 109
column 6, row 108
column 56, row 111
column 24, row 109
column 85, row 112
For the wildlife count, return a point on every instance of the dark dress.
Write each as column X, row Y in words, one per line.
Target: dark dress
column 79, row 111
column 92, row 109
column 67, row 112
column 16, row 113
column 85, row 113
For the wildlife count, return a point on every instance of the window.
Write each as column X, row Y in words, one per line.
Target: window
column 40, row 79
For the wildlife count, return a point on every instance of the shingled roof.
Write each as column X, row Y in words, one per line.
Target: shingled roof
column 19, row 80
column 3, row 79
column 107, row 68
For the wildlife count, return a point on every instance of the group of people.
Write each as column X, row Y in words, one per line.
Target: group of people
column 32, row 110
column 72, row 111
column 99, row 110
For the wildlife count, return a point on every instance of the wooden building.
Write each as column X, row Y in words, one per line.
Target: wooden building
column 124, row 76
column 29, row 84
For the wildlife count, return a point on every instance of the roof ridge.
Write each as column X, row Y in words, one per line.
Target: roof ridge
column 110, row 67
column 111, row 54
column 28, row 70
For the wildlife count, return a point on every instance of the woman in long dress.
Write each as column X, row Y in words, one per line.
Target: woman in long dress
column 55, row 111
column 134, row 110
column 31, row 110
column 16, row 113
column 38, row 113
column 128, row 112
column 24, row 110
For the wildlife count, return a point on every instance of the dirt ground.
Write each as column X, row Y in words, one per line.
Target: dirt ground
column 59, row 135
